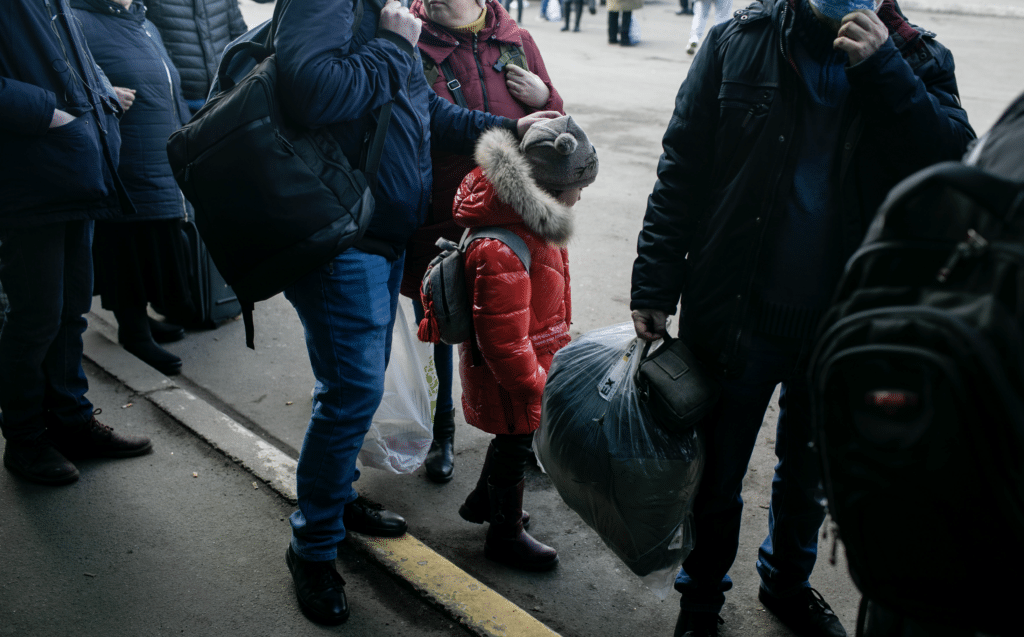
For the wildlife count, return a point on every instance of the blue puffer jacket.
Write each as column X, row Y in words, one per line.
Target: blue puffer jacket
column 59, row 174
column 129, row 50
column 325, row 80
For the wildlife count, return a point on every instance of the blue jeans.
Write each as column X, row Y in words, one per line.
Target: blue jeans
column 46, row 273
column 347, row 309
column 786, row 557
column 443, row 365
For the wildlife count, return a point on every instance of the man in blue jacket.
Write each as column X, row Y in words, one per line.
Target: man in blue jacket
column 58, row 159
column 796, row 119
column 336, row 72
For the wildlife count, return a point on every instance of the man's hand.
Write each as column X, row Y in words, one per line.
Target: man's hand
column 125, row 96
column 860, row 35
column 650, row 325
column 397, row 19
column 61, row 118
column 524, row 123
column 526, row 87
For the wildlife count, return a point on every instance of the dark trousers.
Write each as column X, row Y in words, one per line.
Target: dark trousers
column 567, row 6
column 786, row 557
column 46, row 273
column 614, row 29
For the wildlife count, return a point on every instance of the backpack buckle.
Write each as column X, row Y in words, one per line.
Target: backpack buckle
column 454, row 85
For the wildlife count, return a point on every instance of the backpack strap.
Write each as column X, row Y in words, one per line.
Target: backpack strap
column 506, row 236
column 453, row 83
column 511, row 54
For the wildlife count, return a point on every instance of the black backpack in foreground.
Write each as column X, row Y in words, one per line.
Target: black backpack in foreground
column 918, row 393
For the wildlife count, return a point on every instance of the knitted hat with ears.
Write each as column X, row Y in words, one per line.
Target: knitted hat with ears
column 561, row 156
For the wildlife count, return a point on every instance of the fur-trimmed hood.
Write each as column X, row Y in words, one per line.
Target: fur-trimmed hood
column 502, row 191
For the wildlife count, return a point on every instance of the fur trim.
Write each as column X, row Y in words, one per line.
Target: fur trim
column 507, row 169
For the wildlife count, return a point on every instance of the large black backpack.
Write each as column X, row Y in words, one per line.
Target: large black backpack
column 918, row 390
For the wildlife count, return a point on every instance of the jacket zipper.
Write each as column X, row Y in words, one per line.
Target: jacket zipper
column 480, row 72
column 174, row 105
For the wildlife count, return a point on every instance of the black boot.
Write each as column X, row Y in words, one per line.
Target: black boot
column 133, row 333
column 477, row 507
column 37, row 460
column 613, row 27
column 94, row 440
column 440, row 462
column 627, row 21
column 507, row 542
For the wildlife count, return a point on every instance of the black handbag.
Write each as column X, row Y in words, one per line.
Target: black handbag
column 273, row 200
column 672, row 384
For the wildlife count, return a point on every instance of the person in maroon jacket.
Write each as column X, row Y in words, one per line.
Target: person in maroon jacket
column 499, row 70
column 520, row 316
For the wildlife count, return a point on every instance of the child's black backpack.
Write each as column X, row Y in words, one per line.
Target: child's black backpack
column 918, row 388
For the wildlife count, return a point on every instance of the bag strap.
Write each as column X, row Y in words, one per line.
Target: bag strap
column 506, row 236
column 511, row 54
column 453, row 83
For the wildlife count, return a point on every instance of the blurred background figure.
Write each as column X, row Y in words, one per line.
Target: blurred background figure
column 195, row 33
column 500, row 70
column 701, row 9
column 141, row 259
column 618, row 32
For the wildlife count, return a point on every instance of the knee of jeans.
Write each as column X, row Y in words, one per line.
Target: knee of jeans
column 36, row 326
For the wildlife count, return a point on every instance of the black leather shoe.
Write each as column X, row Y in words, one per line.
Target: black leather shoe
column 370, row 518
column 165, row 332
column 440, row 461
column 37, row 461
column 319, row 588
column 95, row 440
column 806, row 613
column 692, row 624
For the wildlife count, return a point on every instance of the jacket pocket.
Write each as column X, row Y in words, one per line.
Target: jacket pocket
column 743, row 110
column 64, row 166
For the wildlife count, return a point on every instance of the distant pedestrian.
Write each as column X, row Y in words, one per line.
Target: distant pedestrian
column 58, row 173
column 791, row 127
column 701, row 9
column 520, row 318
column 569, row 5
column 619, row 31
column 684, row 8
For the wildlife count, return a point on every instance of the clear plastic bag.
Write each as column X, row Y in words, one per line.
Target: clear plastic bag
column 630, row 480
column 403, row 428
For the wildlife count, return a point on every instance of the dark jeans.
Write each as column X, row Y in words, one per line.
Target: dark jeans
column 787, row 556
column 46, row 274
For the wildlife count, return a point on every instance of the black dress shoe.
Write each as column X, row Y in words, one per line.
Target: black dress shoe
column 165, row 332
column 37, row 461
column 370, row 518
column 95, row 440
column 807, row 613
column 690, row 624
column 319, row 588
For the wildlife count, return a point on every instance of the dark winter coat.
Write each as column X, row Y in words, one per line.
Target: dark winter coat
column 728, row 163
column 50, row 175
column 195, row 33
column 128, row 49
column 324, row 80
column 520, row 318
column 472, row 58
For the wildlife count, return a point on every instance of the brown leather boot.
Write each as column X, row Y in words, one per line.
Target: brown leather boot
column 477, row 507
column 507, row 542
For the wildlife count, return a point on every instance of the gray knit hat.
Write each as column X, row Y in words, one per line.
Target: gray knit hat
column 560, row 155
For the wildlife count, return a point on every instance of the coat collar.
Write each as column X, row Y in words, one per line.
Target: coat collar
column 438, row 42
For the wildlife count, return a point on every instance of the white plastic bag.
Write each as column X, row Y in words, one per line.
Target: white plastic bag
column 553, row 10
column 634, row 29
column 628, row 479
column 403, row 426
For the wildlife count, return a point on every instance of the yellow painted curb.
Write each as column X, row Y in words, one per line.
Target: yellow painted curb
column 482, row 610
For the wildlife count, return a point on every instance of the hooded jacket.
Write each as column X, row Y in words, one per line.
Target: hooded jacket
column 195, row 33
column 129, row 50
column 520, row 318
column 728, row 163
column 68, row 173
column 472, row 58
column 326, row 79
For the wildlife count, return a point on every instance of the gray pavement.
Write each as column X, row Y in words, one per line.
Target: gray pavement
column 141, row 547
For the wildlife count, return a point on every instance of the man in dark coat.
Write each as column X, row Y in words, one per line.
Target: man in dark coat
column 338, row 72
column 195, row 33
column 58, row 173
column 796, row 119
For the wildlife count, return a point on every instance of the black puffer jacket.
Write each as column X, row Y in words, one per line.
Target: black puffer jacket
column 727, row 163
column 128, row 49
column 195, row 33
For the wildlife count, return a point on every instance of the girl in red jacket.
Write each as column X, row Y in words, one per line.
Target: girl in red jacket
column 520, row 318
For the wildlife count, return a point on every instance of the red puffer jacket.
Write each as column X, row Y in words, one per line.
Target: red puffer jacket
column 472, row 58
column 521, row 319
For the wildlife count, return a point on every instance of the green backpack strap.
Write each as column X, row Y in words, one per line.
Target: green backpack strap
column 511, row 54
column 430, row 70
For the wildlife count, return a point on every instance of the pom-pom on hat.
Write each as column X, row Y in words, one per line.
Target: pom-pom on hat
column 560, row 154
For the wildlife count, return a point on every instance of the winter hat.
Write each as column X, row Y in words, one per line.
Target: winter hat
column 560, row 154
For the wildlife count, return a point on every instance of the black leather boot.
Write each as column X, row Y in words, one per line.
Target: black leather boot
column 507, row 542
column 440, row 462
column 477, row 507
column 133, row 333
column 627, row 21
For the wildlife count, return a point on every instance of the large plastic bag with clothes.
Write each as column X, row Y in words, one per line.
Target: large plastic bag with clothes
column 630, row 480
column 402, row 427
